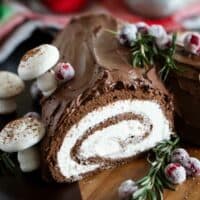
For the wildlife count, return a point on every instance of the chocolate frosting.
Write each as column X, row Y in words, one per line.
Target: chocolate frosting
column 95, row 53
column 103, row 74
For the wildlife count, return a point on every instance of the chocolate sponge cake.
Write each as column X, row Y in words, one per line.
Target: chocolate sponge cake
column 109, row 112
column 186, row 89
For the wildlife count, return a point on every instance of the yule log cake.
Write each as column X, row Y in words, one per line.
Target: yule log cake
column 108, row 113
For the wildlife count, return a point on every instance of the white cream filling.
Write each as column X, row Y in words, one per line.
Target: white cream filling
column 114, row 141
column 106, row 143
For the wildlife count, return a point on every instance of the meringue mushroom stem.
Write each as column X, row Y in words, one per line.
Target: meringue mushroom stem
column 47, row 83
column 29, row 159
column 7, row 105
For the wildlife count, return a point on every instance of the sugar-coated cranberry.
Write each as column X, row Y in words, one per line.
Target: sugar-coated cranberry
column 192, row 43
column 175, row 173
column 64, row 72
column 157, row 31
column 193, row 167
column 180, row 156
column 142, row 27
column 126, row 189
column 127, row 34
column 164, row 43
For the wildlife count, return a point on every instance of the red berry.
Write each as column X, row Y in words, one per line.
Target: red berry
column 126, row 189
column 175, row 173
column 193, row 167
column 127, row 34
column 64, row 72
column 65, row 66
column 194, row 40
column 192, row 43
column 59, row 75
column 180, row 156
column 158, row 32
column 142, row 27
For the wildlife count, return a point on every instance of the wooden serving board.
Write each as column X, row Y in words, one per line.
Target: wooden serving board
column 104, row 185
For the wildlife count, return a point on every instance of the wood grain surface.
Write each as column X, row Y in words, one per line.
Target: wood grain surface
column 103, row 186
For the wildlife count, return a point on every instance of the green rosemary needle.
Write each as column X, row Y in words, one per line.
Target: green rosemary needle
column 168, row 61
column 146, row 54
column 8, row 164
column 143, row 51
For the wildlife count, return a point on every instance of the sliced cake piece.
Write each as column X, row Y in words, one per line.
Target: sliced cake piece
column 108, row 113
column 185, row 86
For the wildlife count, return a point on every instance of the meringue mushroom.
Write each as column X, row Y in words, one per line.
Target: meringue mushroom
column 29, row 159
column 10, row 86
column 47, row 83
column 21, row 134
column 36, row 63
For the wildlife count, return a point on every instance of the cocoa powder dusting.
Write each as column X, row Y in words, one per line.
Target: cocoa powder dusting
column 31, row 53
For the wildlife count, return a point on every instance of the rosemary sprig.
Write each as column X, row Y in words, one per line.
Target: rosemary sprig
column 145, row 54
column 143, row 51
column 167, row 56
column 152, row 185
column 8, row 164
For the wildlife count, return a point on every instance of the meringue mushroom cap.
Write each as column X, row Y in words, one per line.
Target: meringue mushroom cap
column 37, row 61
column 10, row 85
column 21, row 134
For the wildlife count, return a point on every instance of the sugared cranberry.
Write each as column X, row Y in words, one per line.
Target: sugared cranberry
column 162, row 39
column 64, row 72
column 193, row 167
column 157, row 31
column 180, row 156
column 192, row 43
column 164, row 43
column 175, row 173
column 142, row 27
column 127, row 34
column 194, row 40
column 126, row 189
